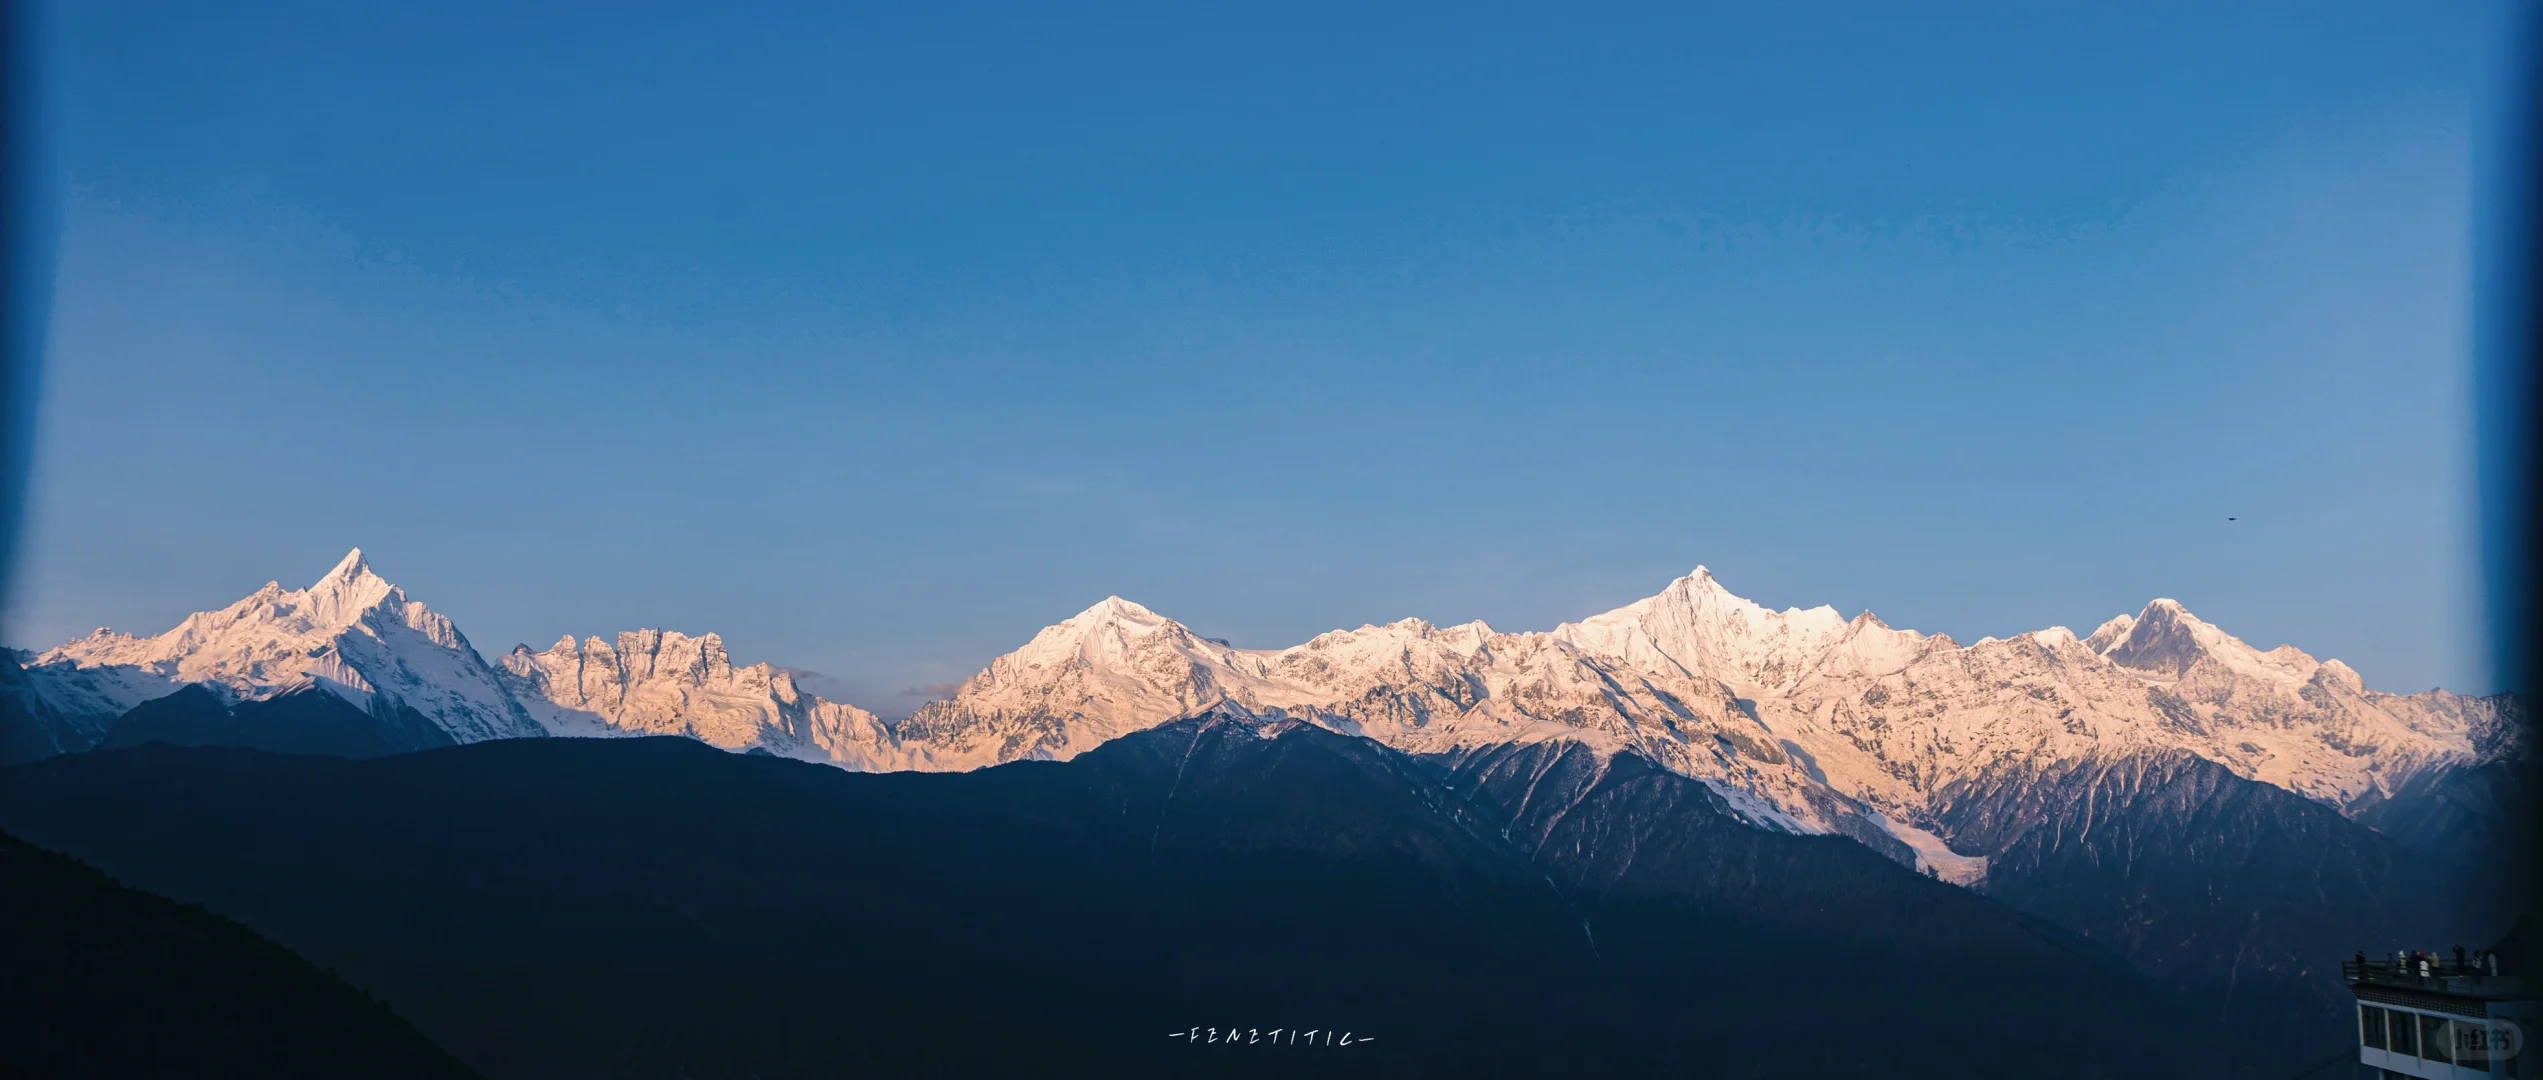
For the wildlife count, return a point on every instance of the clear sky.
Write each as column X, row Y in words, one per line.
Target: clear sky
column 877, row 339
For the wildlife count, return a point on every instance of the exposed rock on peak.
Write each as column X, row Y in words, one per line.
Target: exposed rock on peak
column 662, row 682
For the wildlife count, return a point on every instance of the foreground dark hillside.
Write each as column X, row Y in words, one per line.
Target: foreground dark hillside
column 653, row 907
column 108, row 981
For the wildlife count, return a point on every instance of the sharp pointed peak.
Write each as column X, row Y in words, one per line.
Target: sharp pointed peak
column 353, row 565
column 349, row 589
column 352, row 581
column 1698, row 587
column 2164, row 637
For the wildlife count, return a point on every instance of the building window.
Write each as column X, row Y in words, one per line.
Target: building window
column 2405, row 1031
column 2371, row 1027
column 2434, row 1040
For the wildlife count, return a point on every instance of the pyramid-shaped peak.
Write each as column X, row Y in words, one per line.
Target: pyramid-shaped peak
column 2164, row 614
column 2164, row 637
column 352, row 567
column 348, row 590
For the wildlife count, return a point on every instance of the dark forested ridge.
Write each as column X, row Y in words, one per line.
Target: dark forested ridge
column 653, row 907
column 2475, row 823
column 2241, row 895
column 305, row 721
column 107, row 981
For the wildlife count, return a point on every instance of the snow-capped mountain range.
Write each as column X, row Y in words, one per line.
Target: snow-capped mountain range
column 1801, row 719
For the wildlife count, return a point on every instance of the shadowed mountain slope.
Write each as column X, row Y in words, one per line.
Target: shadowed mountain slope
column 652, row 907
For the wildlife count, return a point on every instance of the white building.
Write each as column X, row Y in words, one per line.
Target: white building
column 2436, row 1017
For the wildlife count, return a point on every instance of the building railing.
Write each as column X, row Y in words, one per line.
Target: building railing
column 2442, row 974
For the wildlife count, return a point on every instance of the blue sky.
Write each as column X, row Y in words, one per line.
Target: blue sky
column 875, row 340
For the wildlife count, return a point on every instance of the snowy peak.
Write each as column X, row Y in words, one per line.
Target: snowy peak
column 2164, row 638
column 1698, row 627
column 1113, row 628
column 353, row 565
column 344, row 594
column 663, row 682
column 1114, row 607
column 351, row 631
column 2165, row 641
column 1112, row 613
column 1868, row 646
column 2109, row 634
column 2053, row 638
column 354, row 570
column 2341, row 675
